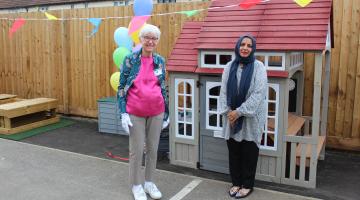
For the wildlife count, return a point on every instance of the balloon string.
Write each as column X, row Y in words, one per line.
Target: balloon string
column 109, row 154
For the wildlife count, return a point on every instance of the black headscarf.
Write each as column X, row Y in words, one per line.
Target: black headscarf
column 236, row 96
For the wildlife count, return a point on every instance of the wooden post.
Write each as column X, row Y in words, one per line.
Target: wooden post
column 315, row 117
column 65, row 63
column 325, row 102
column 316, row 96
column 7, row 123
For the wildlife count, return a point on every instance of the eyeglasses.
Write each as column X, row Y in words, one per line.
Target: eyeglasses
column 148, row 38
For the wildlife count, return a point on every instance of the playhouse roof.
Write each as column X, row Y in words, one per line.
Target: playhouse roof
column 7, row 4
column 277, row 25
column 184, row 53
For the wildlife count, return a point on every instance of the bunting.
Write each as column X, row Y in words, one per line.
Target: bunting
column 246, row 4
column 19, row 22
column 303, row 3
column 138, row 21
column 50, row 17
column 189, row 13
column 96, row 22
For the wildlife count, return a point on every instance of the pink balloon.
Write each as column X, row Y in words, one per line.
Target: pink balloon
column 137, row 22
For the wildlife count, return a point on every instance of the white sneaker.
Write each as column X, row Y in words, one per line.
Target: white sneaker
column 152, row 190
column 138, row 192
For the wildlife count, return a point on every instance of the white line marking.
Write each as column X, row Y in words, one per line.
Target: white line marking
column 186, row 190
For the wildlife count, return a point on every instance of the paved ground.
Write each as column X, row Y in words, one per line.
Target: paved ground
column 338, row 175
column 34, row 172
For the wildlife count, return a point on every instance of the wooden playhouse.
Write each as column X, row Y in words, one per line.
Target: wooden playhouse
column 292, row 143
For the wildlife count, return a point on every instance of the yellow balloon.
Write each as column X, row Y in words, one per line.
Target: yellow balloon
column 135, row 35
column 114, row 81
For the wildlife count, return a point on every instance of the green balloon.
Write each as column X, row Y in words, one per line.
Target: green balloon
column 119, row 55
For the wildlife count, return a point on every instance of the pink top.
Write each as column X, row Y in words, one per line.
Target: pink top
column 144, row 98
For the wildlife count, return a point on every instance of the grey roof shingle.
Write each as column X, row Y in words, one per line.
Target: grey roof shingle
column 7, row 4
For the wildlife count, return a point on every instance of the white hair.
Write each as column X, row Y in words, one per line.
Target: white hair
column 149, row 28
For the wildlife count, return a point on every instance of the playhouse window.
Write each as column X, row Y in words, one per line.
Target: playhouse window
column 210, row 59
column 275, row 61
column 224, row 59
column 184, row 108
column 272, row 61
column 270, row 131
column 213, row 117
column 215, row 59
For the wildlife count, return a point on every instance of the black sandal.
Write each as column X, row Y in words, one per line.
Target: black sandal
column 238, row 195
column 233, row 191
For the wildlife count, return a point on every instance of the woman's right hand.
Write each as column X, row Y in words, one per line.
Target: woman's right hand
column 232, row 117
column 126, row 122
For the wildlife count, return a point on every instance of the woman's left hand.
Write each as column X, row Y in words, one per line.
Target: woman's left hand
column 165, row 123
column 233, row 116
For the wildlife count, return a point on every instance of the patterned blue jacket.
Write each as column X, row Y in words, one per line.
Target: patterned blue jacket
column 130, row 70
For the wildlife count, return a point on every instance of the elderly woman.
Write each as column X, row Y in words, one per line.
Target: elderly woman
column 143, row 105
column 243, row 104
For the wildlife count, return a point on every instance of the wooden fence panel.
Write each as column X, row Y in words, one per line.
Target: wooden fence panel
column 57, row 59
column 344, row 110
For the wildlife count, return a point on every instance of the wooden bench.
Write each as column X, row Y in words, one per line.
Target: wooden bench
column 27, row 114
column 308, row 151
column 295, row 123
column 7, row 98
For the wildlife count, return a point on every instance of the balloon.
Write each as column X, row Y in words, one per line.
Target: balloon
column 119, row 55
column 137, row 22
column 135, row 35
column 114, row 81
column 122, row 38
column 137, row 47
column 143, row 7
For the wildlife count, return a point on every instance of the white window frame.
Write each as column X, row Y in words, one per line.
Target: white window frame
column 191, row 82
column 217, row 53
column 267, row 55
column 210, row 85
column 276, row 88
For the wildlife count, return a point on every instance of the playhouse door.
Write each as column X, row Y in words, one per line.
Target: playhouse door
column 213, row 149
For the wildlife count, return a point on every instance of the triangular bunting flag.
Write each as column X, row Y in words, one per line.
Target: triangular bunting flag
column 189, row 13
column 19, row 22
column 303, row 3
column 51, row 17
column 96, row 22
column 246, row 4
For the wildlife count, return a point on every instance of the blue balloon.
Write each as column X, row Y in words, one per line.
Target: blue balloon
column 122, row 38
column 143, row 7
